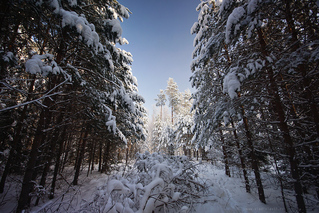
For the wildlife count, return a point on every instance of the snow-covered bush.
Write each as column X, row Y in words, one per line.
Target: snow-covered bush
column 157, row 183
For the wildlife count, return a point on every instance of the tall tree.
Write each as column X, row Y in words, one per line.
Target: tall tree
column 261, row 57
column 61, row 57
column 173, row 96
column 160, row 101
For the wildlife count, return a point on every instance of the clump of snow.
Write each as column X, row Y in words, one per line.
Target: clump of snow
column 42, row 64
column 8, row 56
column 86, row 29
column 111, row 120
column 231, row 85
column 157, row 182
column 234, row 19
column 124, row 11
column 222, row 193
column 116, row 26
column 252, row 6
column 73, row 3
column 116, row 185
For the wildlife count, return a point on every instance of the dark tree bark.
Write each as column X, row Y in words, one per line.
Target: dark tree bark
column 100, row 156
column 106, row 155
column 57, row 163
column 242, row 159
column 16, row 141
column 227, row 170
column 254, row 160
column 83, row 141
column 50, row 154
column 27, row 184
column 291, row 152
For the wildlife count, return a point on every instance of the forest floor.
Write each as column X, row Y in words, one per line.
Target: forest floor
column 223, row 195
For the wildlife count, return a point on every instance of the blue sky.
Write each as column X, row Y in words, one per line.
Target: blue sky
column 159, row 38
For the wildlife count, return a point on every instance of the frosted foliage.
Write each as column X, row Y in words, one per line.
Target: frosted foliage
column 9, row 56
column 72, row 19
column 234, row 19
column 224, row 5
column 110, row 119
column 116, row 26
column 73, row 2
column 42, row 64
column 87, row 30
column 200, row 27
column 194, row 27
column 116, row 185
column 252, row 6
column 155, row 183
column 231, row 85
column 124, row 12
column 218, row 2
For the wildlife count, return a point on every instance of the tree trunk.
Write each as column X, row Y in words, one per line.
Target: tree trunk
column 227, row 170
column 100, row 156
column 16, row 140
column 275, row 161
column 83, row 140
column 91, row 159
column 254, row 160
column 106, row 155
column 172, row 109
column 27, row 185
column 273, row 91
column 57, row 163
column 126, row 158
column 51, row 154
column 242, row 159
column 66, row 149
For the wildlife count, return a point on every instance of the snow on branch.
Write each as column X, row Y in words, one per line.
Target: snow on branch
column 231, row 85
column 156, row 183
column 42, row 64
column 234, row 19
column 86, row 29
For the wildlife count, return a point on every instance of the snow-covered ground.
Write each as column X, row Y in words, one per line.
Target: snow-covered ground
column 222, row 194
column 228, row 194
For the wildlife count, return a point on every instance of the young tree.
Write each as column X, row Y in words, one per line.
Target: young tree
column 184, row 122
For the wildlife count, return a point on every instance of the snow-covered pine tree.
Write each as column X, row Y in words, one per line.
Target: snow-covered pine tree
column 160, row 101
column 183, row 124
column 214, row 56
column 172, row 96
column 68, row 48
column 269, row 66
column 285, row 62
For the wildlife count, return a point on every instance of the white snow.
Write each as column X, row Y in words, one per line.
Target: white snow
column 223, row 195
column 117, row 186
column 234, row 19
column 43, row 64
column 124, row 12
column 194, row 28
column 73, row 2
column 116, row 26
column 9, row 56
column 231, row 85
column 252, row 6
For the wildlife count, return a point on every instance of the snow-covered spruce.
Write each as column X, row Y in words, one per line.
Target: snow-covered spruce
column 157, row 183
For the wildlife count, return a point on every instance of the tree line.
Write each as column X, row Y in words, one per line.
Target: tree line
column 255, row 71
column 171, row 133
column 68, row 95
